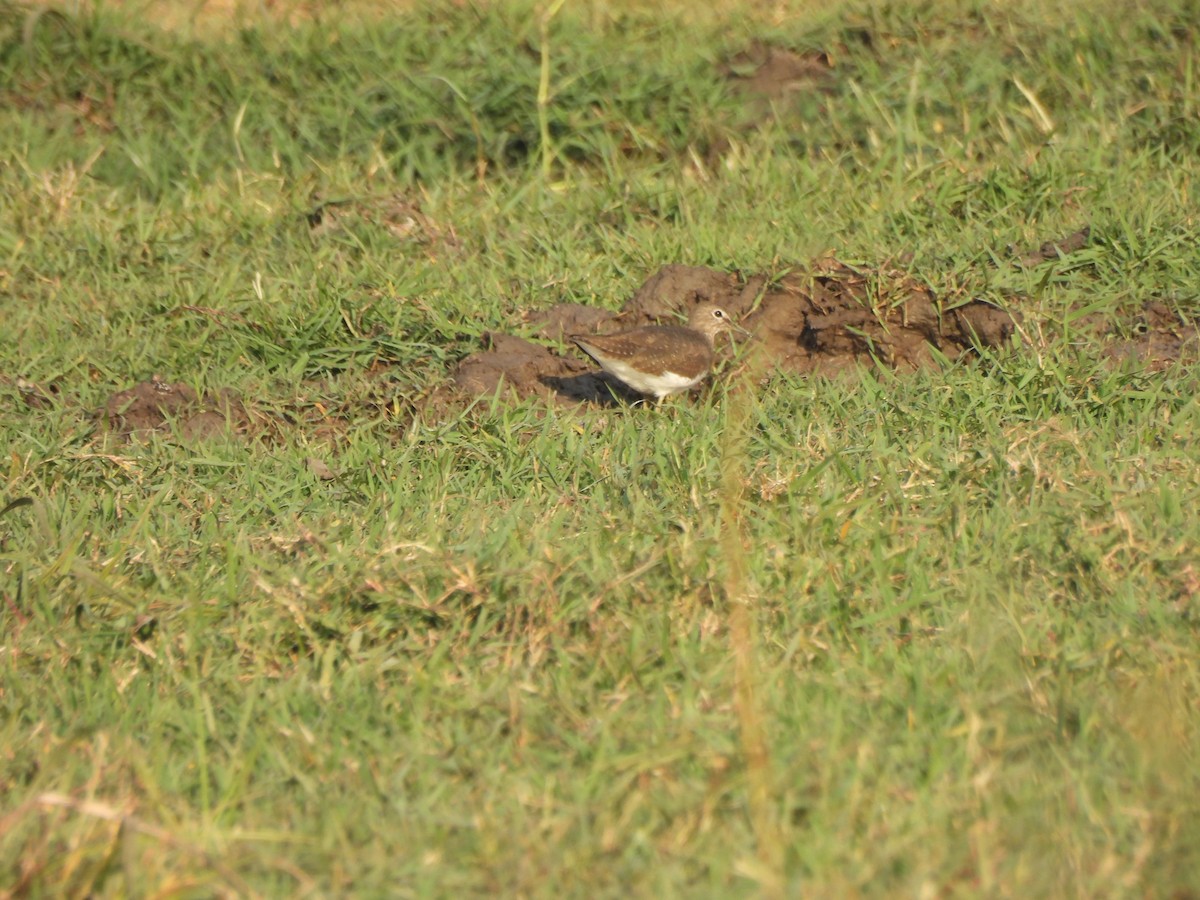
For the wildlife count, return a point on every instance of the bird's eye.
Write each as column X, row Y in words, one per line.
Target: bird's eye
column 718, row 314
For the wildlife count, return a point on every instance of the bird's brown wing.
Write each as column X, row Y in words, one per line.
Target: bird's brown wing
column 654, row 349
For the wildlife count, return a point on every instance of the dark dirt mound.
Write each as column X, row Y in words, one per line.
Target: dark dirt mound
column 767, row 74
column 559, row 322
column 527, row 369
column 773, row 83
column 821, row 321
column 1054, row 249
column 156, row 406
column 673, row 290
column 1160, row 336
column 839, row 315
column 830, row 317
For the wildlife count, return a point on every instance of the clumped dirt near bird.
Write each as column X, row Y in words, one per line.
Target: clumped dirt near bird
column 826, row 319
column 821, row 321
column 312, row 504
column 527, row 368
column 833, row 316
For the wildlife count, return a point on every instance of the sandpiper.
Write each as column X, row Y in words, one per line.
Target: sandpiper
column 660, row 360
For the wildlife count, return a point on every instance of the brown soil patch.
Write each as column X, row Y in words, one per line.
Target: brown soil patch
column 832, row 317
column 773, row 83
column 766, row 74
column 1160, row 336
column 1054, row 249
column 840, row 316
column 821, row 321
column 825, row 319
column 156, row 406
column 559, row 322
column 524, row 369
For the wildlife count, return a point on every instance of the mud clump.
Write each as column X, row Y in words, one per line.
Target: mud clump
column 767, row 75
column 1049, row 250
column 523, row 369
column 673, row 290
column 158, row 407
column 841, row 316
column 833, row 317
column 559, row 322
column 1161, row 336
column 773, row 83
column 823, row 321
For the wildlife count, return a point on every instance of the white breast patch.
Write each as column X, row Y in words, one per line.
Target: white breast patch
column 659, row 385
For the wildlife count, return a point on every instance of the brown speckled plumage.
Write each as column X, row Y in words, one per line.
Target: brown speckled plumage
column 660, row 359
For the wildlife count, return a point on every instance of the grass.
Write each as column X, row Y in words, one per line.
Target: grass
column 929, row 634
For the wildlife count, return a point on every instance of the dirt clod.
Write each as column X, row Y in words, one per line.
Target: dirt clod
column 838, row 316
column 559, row 322
column 673, row 290
column 1054, row 249
column 156, row 406
column 520, row 367
column 820, row 321
column 1160, row 336
column 764, row 72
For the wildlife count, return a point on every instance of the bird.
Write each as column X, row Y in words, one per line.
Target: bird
column 660, row 360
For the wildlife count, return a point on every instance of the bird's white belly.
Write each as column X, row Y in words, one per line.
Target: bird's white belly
column 658, row 385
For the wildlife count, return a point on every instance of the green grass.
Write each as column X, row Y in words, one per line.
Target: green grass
column 917, row 635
